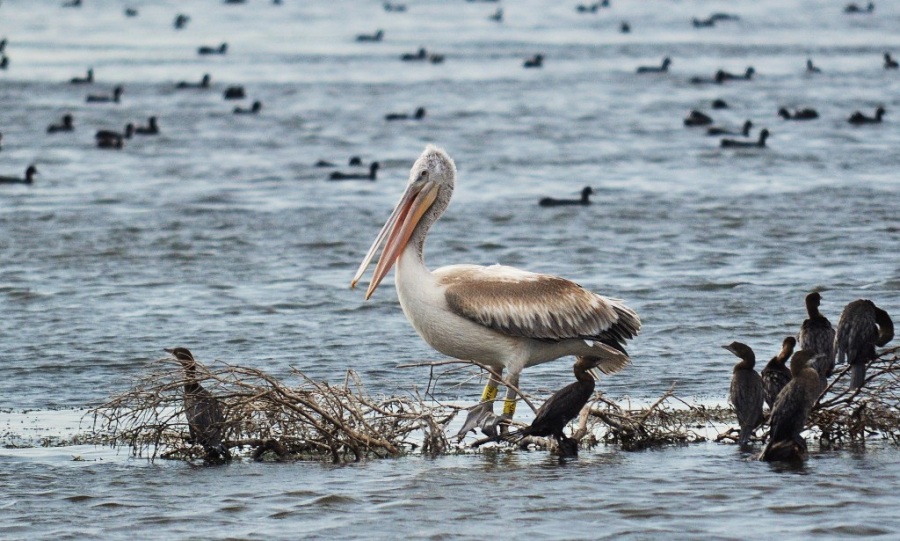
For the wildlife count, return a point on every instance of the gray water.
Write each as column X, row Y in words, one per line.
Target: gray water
column 220, row 235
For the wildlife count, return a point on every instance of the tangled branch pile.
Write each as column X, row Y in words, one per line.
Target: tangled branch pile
column 310, row 420
column 662, row 423
column 845, row 414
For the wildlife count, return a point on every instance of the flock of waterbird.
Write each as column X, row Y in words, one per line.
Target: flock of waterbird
column 791, row 393
column 510, row 319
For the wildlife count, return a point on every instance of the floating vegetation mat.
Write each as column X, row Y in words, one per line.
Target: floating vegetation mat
column 306, row 419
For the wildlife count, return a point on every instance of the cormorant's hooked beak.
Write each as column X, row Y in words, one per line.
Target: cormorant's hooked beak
column 396, row 232
column 729, row 348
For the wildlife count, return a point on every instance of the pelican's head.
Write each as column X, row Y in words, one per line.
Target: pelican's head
column 433, row 175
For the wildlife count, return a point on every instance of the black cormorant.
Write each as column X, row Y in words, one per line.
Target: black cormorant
column 103, row 98
column 206, row 423
column 745, row 130
column 811, row 68
column 221, row 49
column 28, row 179
column 377, row 36
column 817, row 335
column 535, row 61
column 253, row 110
column 656, row 69
column 853, row 8
column 554, row 414
column 760, row 143
column 551, row 202
column 204, row 83
column 799, row 114
column 88, row 79
column 418, row 115
column 862, row 327
column 791, row 410
column 746, row 393
column 152, row 128
column 109, row 134
column 776, row 374
column 748, row 74
column 65, row 126
column 698, row 118
column 890, row 63
column 859, row 118
column 373, row 170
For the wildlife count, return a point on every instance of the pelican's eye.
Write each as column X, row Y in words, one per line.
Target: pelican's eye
column 423, row 175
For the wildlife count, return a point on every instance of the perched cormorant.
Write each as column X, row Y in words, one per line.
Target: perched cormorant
column 554, row 414
column 29, row 177
column 791, row 410
column 377, row 36
column 204, row 83
column 656, row 69
column 253, row 110
column 103, row 98
column 776, row 374
column 811, row 68
column 859, row 118
column 745, row 130
column 697, row 118
column 88, row 79
column 65, row 126
column 152, row 128
column 760, row 143
column 817, row 335
column 221, row 49
column 551, row 202
column 373, row 169
column 862, row 327
column 535, row 61
column 799, row 114
column 418, row 115
column 746, row 393
column 206, row 423
column 890, row 63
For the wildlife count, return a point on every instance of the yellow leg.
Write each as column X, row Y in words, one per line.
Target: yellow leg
column 490, row 392
column 509, row 407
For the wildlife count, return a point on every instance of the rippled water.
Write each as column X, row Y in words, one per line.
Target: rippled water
column 221, row 235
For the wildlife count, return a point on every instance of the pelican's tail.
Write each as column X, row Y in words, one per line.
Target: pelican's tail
column 608, row 360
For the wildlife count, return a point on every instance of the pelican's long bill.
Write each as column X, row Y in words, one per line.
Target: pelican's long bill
column 396, row 231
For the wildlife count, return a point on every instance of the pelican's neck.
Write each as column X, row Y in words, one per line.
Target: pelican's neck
column 415, row 249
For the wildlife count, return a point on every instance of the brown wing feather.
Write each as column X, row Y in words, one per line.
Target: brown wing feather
column 539, row 306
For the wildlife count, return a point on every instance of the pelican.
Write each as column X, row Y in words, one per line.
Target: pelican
column 502, row 317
